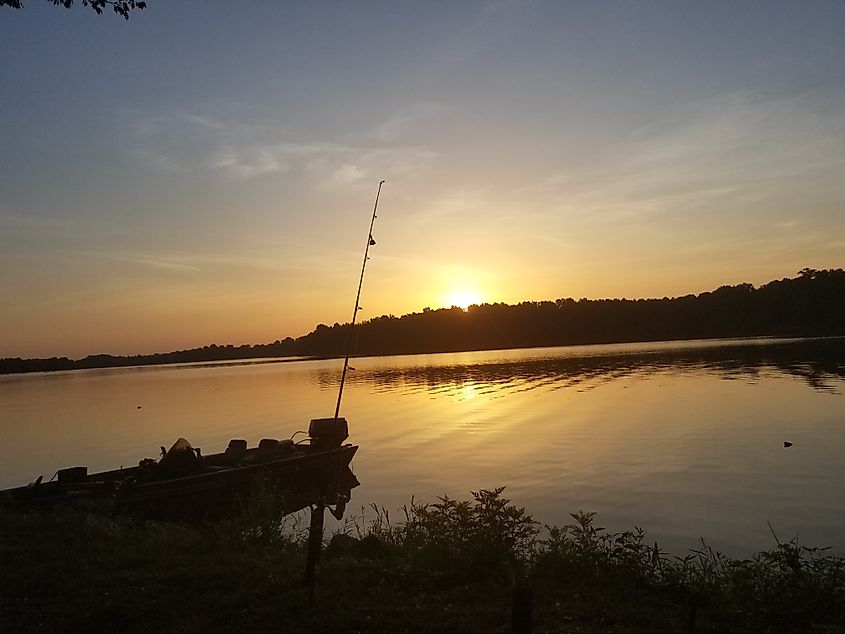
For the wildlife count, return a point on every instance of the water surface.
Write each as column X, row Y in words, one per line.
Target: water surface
column 682, row 438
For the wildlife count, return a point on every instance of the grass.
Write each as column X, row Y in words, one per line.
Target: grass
column 446, row 566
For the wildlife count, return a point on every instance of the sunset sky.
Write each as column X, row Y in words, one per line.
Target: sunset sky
column 204, row 173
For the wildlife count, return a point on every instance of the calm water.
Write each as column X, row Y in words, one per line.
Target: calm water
column 684, row 439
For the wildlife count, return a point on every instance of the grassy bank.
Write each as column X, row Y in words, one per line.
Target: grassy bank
column 449, row 566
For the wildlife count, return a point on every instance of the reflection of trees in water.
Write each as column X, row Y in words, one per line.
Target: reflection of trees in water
column 817, row 362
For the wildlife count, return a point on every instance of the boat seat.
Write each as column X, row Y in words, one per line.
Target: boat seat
column 268, row 449
column 235, row 452
column 272, row 449
column 286, row 446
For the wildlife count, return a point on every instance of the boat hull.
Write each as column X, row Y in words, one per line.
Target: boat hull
column 307, row 475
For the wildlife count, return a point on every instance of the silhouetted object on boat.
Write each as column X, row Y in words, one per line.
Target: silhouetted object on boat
column 185, row 484
column 786, row 443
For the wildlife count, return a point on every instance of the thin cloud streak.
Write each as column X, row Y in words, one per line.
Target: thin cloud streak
column 735, row 149
column 170, row 263
column 18, row 221
column 411, row 120
column 241, row 152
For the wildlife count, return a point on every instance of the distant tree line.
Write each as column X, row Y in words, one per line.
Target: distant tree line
column 810, row 304
column 212, row 352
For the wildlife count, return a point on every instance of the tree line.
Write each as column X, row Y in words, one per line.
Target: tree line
column 810, row 304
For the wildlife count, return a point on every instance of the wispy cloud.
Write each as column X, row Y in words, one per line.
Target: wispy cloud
column 245, row 150
column 735, row 148
column 204, row 122
column 19, row 221
column 152, row 125
column 348, row 174
column 249, row 162
column 163, row 162
column 170, row 263
column 328, row 163
column 457, row 202
column 216, row 262
column 411, row 119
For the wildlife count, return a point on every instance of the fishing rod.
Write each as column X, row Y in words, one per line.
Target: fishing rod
column 370, row 243
column 315, row 530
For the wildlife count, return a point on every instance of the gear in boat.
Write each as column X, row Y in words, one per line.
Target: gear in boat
column 185, row 483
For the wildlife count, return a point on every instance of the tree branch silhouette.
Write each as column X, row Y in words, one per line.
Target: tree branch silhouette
column 121, row 7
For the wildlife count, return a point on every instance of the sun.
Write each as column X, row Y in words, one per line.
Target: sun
column 460, row 286
column 462, row 298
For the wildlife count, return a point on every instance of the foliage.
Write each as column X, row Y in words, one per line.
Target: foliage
column 84, row 569
column 459, row 537
column 447, row 566
column 779, row 590
column 121, row 7
column 451, row 538
column 588, row 553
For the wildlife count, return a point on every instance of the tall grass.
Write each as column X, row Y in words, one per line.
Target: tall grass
column 447, row 565
column 609, row 576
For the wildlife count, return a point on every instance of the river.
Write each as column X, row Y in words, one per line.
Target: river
column 685, row 439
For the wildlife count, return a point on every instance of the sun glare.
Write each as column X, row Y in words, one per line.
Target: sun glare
column 462, row 298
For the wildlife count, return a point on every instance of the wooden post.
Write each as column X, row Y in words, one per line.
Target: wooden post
column 691, row 614
column 315, row 542
column 521, row 607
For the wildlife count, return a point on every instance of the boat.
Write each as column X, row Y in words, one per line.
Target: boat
column 185, row 484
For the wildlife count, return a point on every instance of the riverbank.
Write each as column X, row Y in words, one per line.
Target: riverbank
column 449, row 566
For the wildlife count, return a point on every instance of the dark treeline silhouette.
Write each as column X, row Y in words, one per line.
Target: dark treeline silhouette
column 810, row 304
column 206, row 353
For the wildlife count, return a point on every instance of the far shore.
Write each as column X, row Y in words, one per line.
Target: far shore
column 118, row 362
column 809, row 305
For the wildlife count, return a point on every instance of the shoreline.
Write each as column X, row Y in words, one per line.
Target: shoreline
column 446, row 566
column 260, row 360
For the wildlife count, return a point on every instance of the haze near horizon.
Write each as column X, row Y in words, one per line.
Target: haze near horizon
column 205, row 171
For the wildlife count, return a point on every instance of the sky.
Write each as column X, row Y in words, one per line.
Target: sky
column 205, row 172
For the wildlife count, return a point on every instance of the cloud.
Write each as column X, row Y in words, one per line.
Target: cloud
column 457, row 202
column 328, row 164
column 735, row 149
column 411, row 119
column 216, row 262
column 163, row 162
column 250, row 162
column 247, row 150
column 204, row 122
column 18, row 221
column 348, row 174
column 170, row 263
